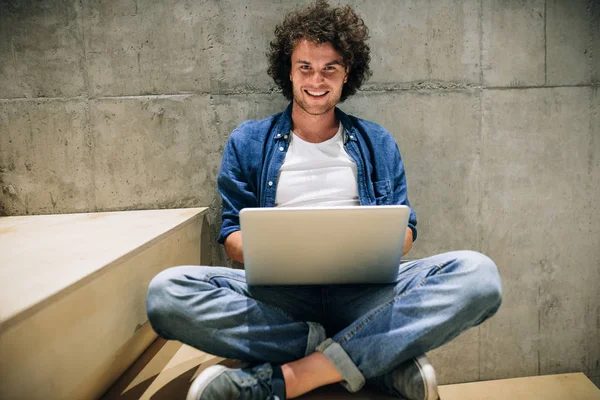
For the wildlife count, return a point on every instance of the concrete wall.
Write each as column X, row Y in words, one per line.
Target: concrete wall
column 109, row 105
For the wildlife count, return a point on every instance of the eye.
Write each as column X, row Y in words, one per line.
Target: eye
column 305, row 67
column 331, row 69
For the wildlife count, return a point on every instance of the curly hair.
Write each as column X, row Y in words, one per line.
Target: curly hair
column 321, row 23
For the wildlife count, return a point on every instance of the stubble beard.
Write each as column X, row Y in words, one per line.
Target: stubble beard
column 314, row 109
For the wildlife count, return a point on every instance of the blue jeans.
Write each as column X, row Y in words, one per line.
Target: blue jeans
column 364, row 330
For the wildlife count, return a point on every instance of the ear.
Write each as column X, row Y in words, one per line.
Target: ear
column 346, row 76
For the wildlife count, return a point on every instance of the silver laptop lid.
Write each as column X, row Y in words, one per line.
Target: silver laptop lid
column 317, row 246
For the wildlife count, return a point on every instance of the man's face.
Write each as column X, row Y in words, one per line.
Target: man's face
column 317, row 76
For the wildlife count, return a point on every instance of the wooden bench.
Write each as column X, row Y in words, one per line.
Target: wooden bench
column 72, row 295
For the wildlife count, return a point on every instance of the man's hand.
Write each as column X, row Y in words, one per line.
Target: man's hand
column 408, row 241
column 233, row 246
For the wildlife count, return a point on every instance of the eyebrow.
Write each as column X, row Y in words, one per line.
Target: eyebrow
column 335, row 62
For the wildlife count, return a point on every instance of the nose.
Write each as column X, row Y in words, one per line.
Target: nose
column 317, row 77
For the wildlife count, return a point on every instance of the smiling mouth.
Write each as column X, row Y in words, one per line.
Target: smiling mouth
column 314, row 93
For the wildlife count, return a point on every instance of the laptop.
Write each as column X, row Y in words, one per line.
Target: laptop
column 323, row 246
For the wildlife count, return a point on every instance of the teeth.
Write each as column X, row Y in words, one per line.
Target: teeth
column 316, row 93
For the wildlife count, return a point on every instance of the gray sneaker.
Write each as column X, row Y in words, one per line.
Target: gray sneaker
column 218, row 382
column 413, row 380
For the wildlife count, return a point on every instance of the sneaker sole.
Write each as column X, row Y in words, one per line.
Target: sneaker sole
column 427, row 372
column 206, row 377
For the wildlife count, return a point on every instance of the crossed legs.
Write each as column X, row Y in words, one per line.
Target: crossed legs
column 371, row 328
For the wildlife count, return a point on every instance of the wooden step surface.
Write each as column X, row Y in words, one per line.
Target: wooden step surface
column 72, row 295
column 42, row 255
column 167, row 368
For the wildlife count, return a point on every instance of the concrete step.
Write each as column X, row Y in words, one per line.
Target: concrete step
column 167, row 368
column 72, row 295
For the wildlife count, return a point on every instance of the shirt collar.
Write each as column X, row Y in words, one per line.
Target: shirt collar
column 284, row 125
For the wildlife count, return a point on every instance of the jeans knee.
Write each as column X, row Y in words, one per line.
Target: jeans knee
column 486, row 284
column 159, row 300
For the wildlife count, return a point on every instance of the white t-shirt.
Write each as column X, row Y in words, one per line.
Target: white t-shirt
column 317, row 174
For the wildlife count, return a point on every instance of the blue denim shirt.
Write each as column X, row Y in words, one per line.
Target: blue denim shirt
column 256, row 150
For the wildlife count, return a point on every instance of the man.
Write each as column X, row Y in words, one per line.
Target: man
column 299, row 338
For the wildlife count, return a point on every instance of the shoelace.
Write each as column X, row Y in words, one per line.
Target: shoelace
column 262, row 388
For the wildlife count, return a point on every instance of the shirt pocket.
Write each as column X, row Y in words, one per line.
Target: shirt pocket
column 383, row 191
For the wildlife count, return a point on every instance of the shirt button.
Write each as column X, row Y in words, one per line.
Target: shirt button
column 278, row 135
column 285, row 136
column 351, row 137
column 281, row 149
column 270, row 183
